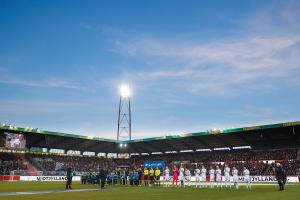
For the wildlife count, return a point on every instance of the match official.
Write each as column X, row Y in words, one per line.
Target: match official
column 157, row 176
column 69, row 178
column 102, row 176
column 146, row 177
column 280, row 176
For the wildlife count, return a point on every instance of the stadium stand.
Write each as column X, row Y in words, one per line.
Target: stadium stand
column 80, row 164
column 265, row 144
column 10, row 162
column 259, row 163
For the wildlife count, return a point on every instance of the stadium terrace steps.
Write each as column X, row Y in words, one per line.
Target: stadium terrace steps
column 31, row 170
column 35, row 166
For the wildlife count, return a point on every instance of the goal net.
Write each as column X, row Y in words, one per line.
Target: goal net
column 15, row 173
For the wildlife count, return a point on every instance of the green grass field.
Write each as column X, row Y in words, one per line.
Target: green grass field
column 263, row 192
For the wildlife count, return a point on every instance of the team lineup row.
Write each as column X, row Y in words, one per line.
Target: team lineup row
column 183, row 176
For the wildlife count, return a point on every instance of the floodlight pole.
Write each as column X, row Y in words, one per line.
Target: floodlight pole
column 124, row 119
column 118, row 133
column 129, row 108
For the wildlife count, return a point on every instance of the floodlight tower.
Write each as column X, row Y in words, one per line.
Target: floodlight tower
column 124, row 118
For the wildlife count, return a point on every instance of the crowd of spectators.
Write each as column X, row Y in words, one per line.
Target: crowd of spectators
column 221, row 156
column 258, row 162
column 10, row 162
column 79, row 164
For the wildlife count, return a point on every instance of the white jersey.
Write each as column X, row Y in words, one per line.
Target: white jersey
column 187, row 172
column 167, row 174
column 203, row 174
column 235, row 175
column 235, row 172
column 218, row 175
column 212, row 174
column 246, row 173
column 197, row 172
column 227, row 171
column 181, row 173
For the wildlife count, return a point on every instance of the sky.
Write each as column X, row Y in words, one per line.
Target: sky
column 192, row 65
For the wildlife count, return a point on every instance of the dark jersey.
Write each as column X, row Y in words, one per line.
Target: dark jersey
column 280, row 173
column 69, row 174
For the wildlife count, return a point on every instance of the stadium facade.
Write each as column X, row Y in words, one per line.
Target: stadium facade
column 271, row 136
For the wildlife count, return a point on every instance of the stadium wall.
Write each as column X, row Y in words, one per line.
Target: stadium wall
column 9, row 178
column 37, row 178
column 254, row 179
column 47, row 178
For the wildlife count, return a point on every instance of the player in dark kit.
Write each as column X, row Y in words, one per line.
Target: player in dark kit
column 280, row 176
column 69, row 178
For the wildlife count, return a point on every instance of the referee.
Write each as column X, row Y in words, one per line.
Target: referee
column 157, row 176
column 146, row 176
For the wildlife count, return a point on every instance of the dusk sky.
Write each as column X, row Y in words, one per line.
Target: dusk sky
column 192, row 65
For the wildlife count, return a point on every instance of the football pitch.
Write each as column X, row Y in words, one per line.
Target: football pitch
column 55, row 191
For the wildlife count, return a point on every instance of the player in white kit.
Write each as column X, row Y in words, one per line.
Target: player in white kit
column 181, row 176
column 212, row 177
column 203, row 177
column 188, row 176
column 219, row 177
column 197, row 176
column 167, row 176
column 246, row 174
column 235, row 177
column 227, row 176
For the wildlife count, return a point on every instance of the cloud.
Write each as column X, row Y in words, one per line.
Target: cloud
column 256, row 61
column 34, row 107
column 221, row 65
column 103, row 29
column 259, row 113
column 48, row 83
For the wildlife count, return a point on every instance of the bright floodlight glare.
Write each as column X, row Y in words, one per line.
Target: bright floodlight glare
column 125, row 91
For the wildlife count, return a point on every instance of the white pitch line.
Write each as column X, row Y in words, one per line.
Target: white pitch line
column 46, row 192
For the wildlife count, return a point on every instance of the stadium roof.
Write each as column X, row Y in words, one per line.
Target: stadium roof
column 258, row 137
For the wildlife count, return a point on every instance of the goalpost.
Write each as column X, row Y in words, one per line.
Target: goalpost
column 23, row 173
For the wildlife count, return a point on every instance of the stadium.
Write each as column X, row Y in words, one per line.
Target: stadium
column 130, row 100
column 258, row 148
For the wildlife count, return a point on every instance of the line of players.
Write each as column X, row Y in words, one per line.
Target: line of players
column 215, row 176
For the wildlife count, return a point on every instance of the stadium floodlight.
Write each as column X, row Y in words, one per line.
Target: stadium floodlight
column 124, row 117
column 156, row 153
column 186, row 151
column 125, row 91
column 171, row 152
column 222, row 149
column 242, row 147
column 203, row 150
